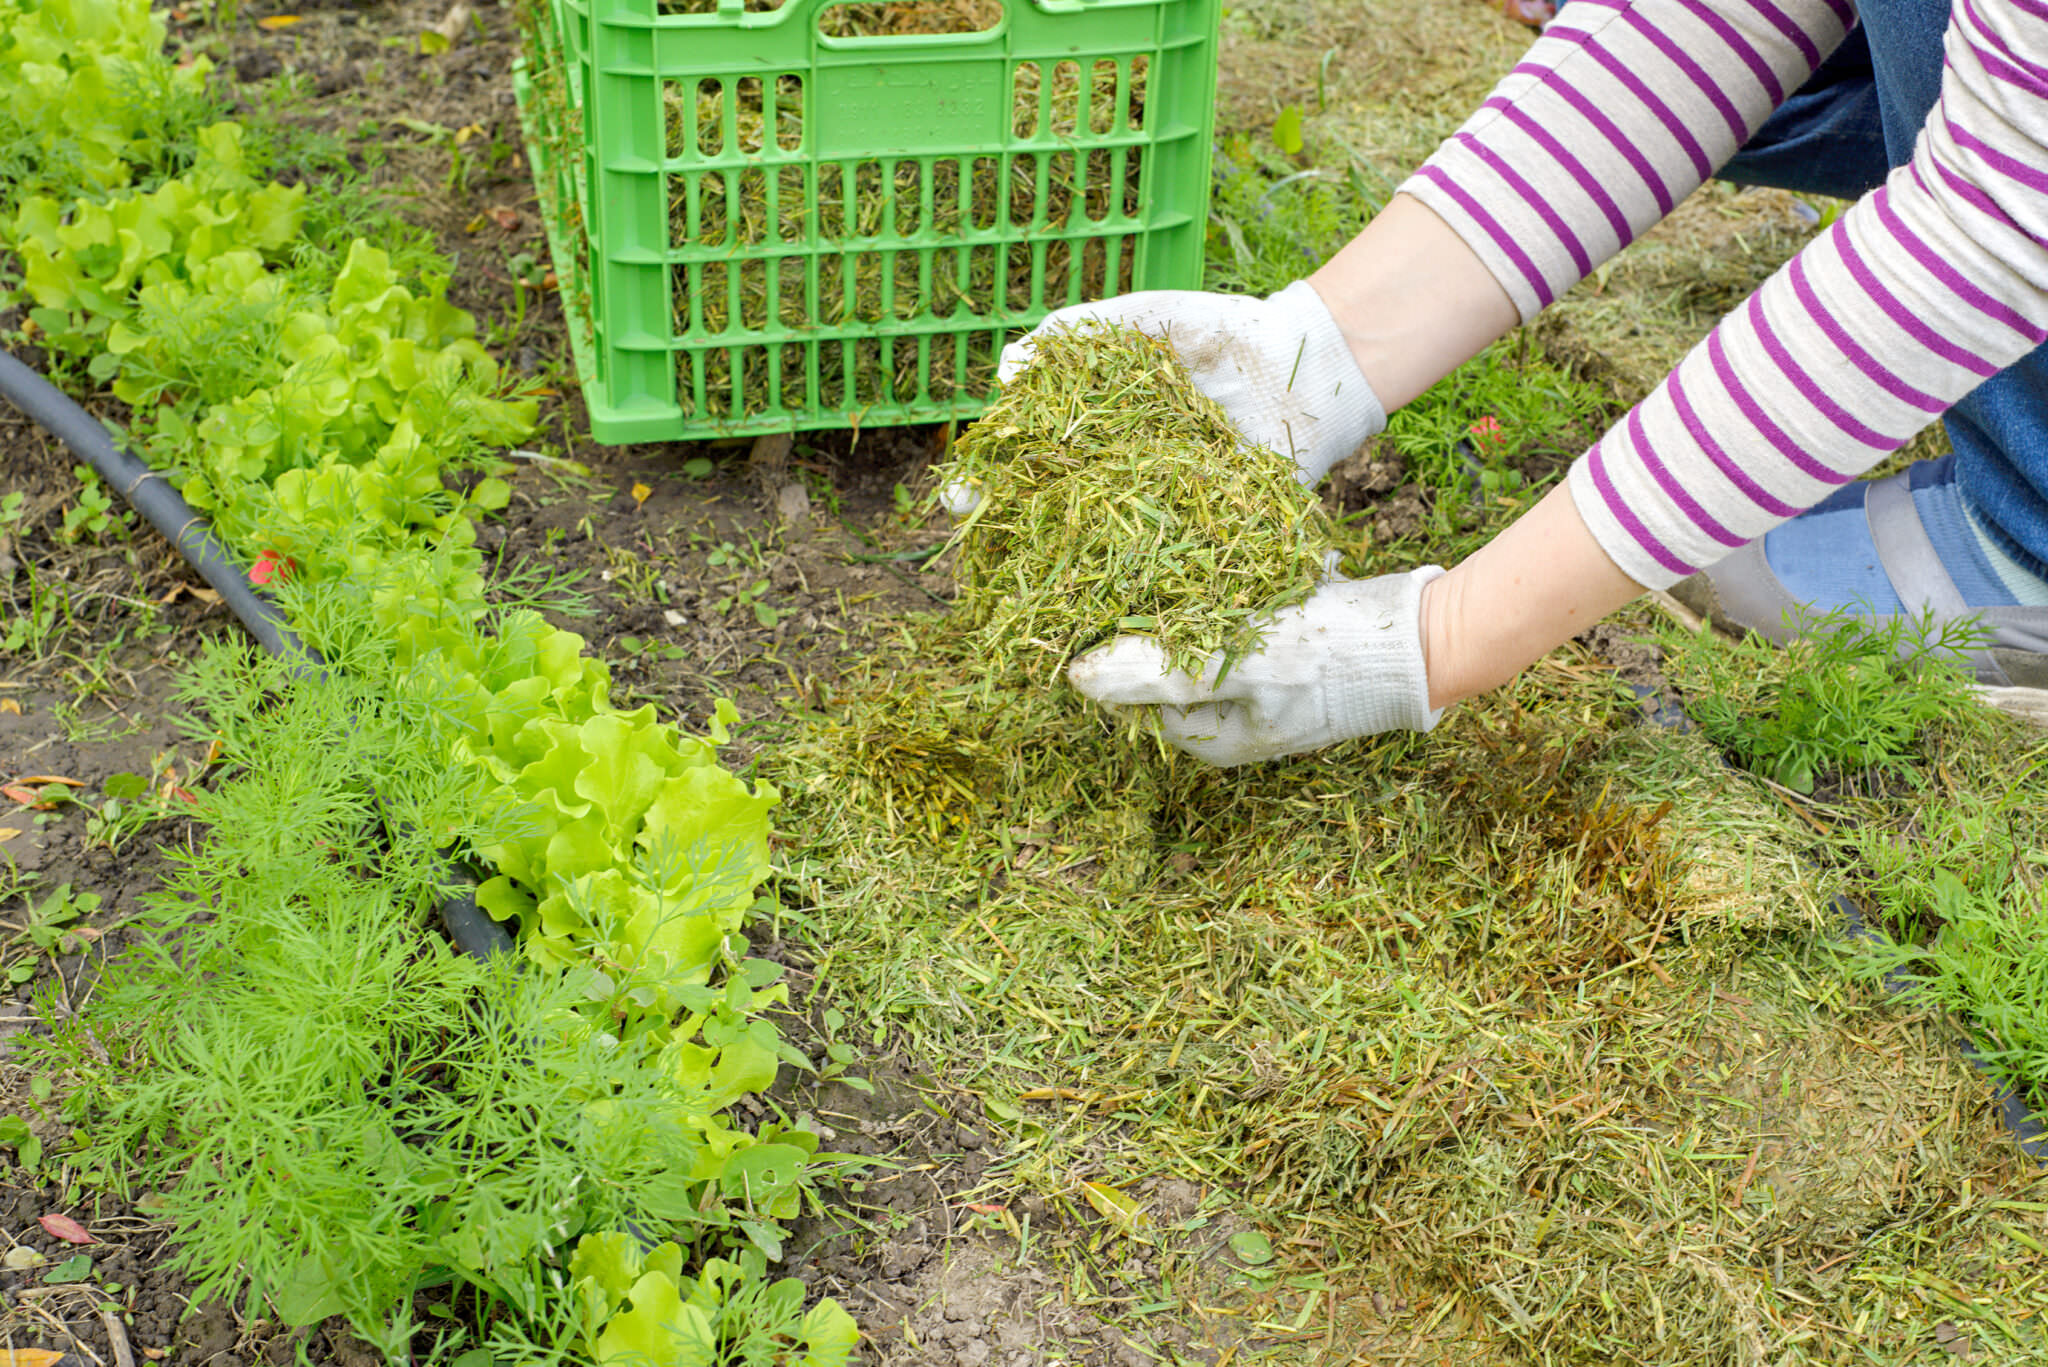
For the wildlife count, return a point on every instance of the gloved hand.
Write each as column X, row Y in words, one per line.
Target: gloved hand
column 1347, row 662
column 1279, row 366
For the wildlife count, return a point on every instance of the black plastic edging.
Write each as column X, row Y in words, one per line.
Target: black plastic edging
column 2027, row 1128
column 151, row 495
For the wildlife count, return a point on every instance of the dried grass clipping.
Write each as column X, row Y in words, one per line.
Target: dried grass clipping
column 1117, row 497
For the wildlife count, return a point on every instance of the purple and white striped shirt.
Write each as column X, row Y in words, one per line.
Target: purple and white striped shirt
column 1927, row 286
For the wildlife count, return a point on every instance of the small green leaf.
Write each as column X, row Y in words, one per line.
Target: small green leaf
column 697, row 468
column 15, row 1134
column 1287, row 130
column 125, row 786
column 1252, row 1247
column 764, row 1236
column 76, row 1268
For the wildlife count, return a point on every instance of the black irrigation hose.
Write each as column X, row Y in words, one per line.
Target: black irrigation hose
column 150, row 494
column 2029, row 1129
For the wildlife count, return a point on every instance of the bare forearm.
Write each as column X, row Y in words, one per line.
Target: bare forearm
column 1529, row 590
column 1414, row 303
column 1412, row 300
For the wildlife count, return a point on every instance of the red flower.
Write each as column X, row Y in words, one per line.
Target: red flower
column 1487, row 434
column 270, row 565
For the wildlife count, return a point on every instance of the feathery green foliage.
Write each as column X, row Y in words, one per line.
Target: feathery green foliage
column 1849, row 696
column 338, row 1108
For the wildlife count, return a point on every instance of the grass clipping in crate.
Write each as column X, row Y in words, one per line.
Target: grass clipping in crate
column 1117, row 497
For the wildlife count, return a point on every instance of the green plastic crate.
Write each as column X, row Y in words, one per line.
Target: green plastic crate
column 759, row 227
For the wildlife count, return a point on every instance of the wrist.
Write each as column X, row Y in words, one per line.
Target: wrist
column 1440, row 668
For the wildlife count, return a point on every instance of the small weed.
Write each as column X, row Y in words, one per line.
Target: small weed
column 52, row 927
column 80, row 729
column 37, row 625
column 529, row 276
column 28, row 1150
column 751, row 597
column 94, row 512
column 129, row 803
column 1958, row 891
column 839, row 1055
column 637, row 571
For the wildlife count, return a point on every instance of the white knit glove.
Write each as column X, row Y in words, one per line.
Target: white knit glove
column 1278, row 366
column 1345, row 663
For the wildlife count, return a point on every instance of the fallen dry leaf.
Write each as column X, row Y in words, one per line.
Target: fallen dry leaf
column 10, row 706
column 506, row 218
column 8, row 833
column 206, row 595
column 277, row 21
column 50, row 778
column 21, row 1258
column 641, row 493
column 27, row 797
column 63, row 1227
column 29, row 1357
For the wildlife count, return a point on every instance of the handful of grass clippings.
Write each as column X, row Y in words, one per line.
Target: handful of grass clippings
column 1115, row 497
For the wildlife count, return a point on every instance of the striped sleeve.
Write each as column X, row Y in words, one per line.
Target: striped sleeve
column 1929, row 285
column 1621, row 109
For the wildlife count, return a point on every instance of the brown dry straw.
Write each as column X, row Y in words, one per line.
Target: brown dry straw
column 1116, row 496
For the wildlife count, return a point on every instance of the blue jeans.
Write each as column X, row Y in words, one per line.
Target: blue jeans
column 1840, row 135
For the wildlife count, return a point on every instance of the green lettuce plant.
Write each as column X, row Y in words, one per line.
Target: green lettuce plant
column 642, row 1308
column 413, row 1118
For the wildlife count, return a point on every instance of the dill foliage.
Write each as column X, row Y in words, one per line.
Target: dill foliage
column 1116, row 497
column 335, row 1108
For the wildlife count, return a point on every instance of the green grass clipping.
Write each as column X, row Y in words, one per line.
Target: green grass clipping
column 1116, row 497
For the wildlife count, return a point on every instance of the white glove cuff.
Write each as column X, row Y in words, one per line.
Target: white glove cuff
column 1384, row 685
column 1329, row 382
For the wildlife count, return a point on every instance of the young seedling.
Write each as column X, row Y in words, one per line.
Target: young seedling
column 52, row 928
